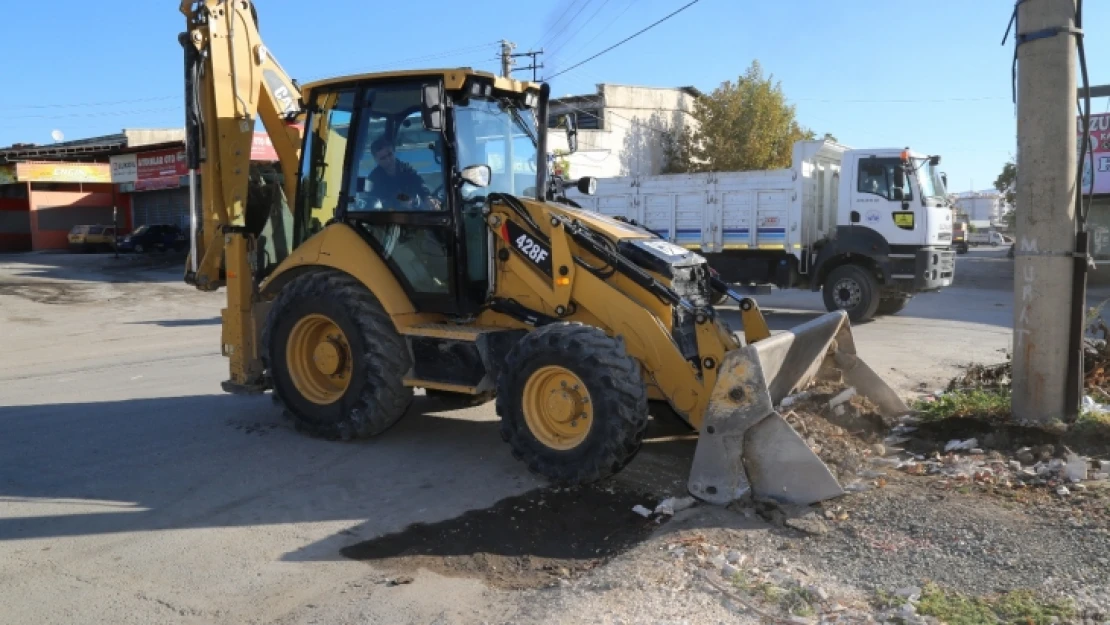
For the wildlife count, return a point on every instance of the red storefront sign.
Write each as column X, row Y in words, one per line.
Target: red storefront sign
column 160, row 169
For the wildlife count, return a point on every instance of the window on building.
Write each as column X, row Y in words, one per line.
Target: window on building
column 588, row 119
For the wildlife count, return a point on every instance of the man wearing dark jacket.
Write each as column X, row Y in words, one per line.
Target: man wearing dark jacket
column 395, row 183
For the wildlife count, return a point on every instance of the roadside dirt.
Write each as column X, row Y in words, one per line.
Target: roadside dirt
column 533, row 540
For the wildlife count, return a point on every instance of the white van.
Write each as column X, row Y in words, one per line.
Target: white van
column 994, row 239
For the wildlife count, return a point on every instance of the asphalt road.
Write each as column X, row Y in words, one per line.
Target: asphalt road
column 133, row 491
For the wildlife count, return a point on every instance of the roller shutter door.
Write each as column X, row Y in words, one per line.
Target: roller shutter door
column 169, row 206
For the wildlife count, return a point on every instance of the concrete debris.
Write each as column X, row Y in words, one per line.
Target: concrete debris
column 843, row 397
column 735, row 557
column 958, row 445
column 729, row 571
column 1025, row 455
column 642, row 511
column 790, row 400
column 1063, row 491
column 871, row 475
column 886, row 462
column 1076, row 468
column 976, row 451
column 672, row 505
column 819, row 592
column 879, row 450
column 1078, row 487
column 1014, row 465
column 1104, row 465
column 810, row 524
column 895, row 440
column 857, row 487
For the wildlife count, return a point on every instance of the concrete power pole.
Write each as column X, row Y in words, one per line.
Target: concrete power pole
column 507, row 58
column 1046, row 212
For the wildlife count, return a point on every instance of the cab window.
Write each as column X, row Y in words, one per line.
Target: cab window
column 322, row 163
column 876, row 177
column 398, row 163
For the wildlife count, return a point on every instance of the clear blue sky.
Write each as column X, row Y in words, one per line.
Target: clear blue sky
column 88, row 68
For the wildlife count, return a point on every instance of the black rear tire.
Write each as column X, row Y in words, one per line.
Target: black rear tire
column 376, row 397
column 854, row 290
column 616, row 391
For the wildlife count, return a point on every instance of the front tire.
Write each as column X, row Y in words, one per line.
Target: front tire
column 572, row 403
column 854, row 290
column 335, row 359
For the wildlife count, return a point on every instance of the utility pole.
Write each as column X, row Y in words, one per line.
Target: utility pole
column 507, row 58
column 1044, row 263
column 533, row 66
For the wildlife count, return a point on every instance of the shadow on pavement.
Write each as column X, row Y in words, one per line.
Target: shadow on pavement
column 155, row 267
column 180, row 323
column 212, row 461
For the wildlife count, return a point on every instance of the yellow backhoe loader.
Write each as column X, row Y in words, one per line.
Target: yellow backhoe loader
column 416, row 240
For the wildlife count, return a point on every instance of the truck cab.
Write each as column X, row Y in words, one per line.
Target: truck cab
column 895, row 224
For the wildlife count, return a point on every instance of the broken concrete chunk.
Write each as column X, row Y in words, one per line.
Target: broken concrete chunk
column 729, row 571
column 1015, row 465
column 1063, row 491
column 896, row 440
column 1025, row 455
column 671, row 505
column 1076, row 468
column 886, row 462
column 1078, row 487
column 843, row 397
column 642, row 511
column 790, row 400
column 735, row 557
column 819, row 592
column 977, row 451
column 810, row 524
column 958, row 445
column 879, row 450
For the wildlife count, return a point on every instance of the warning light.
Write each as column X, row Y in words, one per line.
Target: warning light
column 562, row 281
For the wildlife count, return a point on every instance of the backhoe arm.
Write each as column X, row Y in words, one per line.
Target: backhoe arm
column 230, row 80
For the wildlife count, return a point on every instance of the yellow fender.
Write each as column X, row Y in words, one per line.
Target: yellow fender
column 339, row 247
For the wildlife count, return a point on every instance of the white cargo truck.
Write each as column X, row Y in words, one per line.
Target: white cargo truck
column 868, row 228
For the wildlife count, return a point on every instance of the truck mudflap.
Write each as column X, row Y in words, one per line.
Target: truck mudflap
column 746, row 447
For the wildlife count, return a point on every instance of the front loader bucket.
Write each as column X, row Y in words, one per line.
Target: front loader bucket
column 746, row 446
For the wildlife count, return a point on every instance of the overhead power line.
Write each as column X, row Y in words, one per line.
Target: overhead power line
column 623, row 41
column 555, row 24
column 555, row 36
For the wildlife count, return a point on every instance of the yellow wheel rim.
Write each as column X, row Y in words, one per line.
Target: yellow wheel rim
column 557, row 407
column 319, row 359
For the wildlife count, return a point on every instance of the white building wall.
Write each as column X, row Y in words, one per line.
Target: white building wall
column 631, row 140
column 981, row 206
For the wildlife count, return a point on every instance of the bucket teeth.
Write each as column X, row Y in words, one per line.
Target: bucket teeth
column 746, row 447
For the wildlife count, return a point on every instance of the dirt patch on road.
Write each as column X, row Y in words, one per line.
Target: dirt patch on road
column 533, row 540
column 46, row 292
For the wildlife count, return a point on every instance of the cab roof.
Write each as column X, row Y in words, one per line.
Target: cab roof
column 453, row 79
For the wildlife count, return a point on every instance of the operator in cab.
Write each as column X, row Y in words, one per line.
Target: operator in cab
column 395, row 183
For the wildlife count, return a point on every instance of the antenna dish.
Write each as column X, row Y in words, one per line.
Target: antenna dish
column 58, row 135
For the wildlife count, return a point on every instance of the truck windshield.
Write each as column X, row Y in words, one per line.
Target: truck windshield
column 932, row 187
column 502, row 135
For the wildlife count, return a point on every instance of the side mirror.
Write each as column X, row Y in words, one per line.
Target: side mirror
column 571, row 121
column 934, row 160
column 899, row 177
column 898, row 195
column 431, row 107
column 587, row 185
column 477, row 175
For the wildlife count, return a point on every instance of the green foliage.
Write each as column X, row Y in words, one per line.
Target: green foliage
column 1006, row 182
column 982, row 404
column 743, row 125
column 1019, row 606
column 562, row 165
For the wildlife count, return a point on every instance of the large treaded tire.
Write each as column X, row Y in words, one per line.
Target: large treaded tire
column 616, row 389
column 377, row 397
column 863, row 280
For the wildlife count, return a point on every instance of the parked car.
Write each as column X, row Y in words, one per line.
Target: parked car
column 92, row 238
column 154, row 237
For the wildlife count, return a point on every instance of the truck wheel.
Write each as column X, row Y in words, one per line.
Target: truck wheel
column 891, row 305
column 573, row 406
column 335, row 359
column 854, row 290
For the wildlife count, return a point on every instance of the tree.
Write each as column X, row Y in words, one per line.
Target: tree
column 742, row 126
column 1006, row 182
